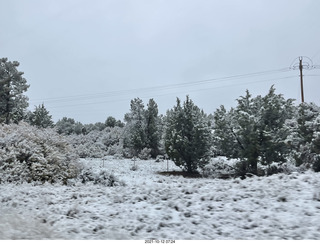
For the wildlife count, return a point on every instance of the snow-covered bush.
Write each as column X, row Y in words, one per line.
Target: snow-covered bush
column 160, row 158
column 115, row 150
column 102, row 177
column 89, row 145
column 145, row 154
column 90, row 150
column 219, row 167
column 97, row 144
column 29, row 154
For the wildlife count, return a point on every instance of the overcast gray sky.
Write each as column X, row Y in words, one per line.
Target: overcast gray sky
column 86, row 59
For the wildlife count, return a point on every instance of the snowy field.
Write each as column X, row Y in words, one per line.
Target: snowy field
column 153, row 206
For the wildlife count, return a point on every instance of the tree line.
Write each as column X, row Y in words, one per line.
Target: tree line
column 258, row 131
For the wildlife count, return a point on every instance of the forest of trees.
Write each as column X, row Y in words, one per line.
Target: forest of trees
column 258, row 131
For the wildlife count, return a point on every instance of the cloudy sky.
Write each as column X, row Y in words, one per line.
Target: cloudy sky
column 86, row 59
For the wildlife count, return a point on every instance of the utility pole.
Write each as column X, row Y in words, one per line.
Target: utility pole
column 301, row 79
column 303, row 64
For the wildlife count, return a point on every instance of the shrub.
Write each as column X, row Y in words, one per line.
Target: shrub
column 102, row 177
column 145, row 154
column 29, row 154
column 219, row 168
column 97, row 144
column 243, row 169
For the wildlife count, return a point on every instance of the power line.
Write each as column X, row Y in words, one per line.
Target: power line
column 80, row 109
column 157, row 88
column 311, row 75
column 171, row 93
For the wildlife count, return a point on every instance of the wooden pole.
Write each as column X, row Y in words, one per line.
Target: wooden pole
column 301, row 79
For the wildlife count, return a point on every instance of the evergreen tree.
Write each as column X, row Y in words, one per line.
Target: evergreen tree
column 225, row 140
column 79, row 128
column 188, row 136
column 247, row 131
column 152, row 128
column 254, row 131
column 66, row 126
column 275, row 110
column 41, row 118
column 135, row 132
column 100, row 126
column 12, row 86
column 111, row 122
column 304, row 136
column 307, row 114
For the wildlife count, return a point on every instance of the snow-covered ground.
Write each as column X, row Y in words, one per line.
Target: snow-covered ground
column 153, row 206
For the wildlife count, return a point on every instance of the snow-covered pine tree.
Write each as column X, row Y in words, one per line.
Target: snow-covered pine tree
column 307, row 114
column 152, row 128
column 275, row 110
column 257, row 129
column 40, row 117
column 188, row 136
column 304, row 136
column 246, row 122
column 135, row 131
column 224, row 141
column 13, row 103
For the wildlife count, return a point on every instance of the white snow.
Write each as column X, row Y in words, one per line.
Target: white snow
column 153, row 206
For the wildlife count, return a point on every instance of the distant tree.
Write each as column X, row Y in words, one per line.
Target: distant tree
column 100, row 126
column 120, row 124
column 66, row 126
column 111, row 122
column 83, row 130
column 79, row 128
column 40, row 117
column 89, row 127
column 152, row 128
column 162, row 125
column 135, row 131
column 188, row 136
column 13, row 103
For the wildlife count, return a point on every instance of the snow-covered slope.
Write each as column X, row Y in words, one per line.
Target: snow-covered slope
column 163, row 207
